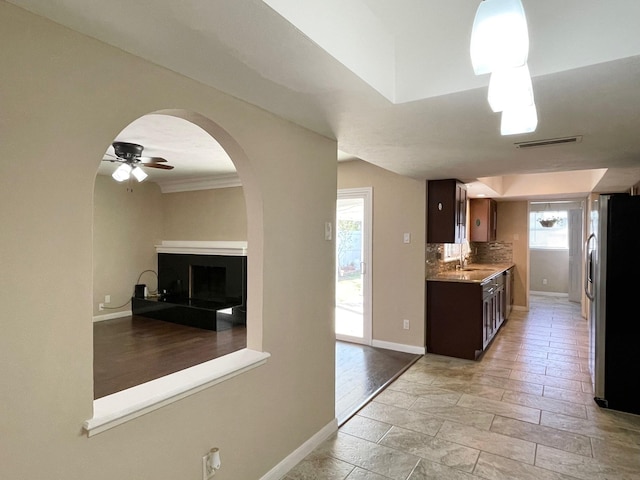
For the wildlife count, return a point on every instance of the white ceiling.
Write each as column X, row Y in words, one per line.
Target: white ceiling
column 413, row 105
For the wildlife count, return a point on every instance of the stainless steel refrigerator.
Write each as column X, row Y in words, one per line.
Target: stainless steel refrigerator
column 612, row 284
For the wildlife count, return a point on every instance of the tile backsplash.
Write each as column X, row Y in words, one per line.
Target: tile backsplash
column 478, row 252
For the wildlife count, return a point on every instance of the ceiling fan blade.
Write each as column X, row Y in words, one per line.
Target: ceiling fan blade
column 158, row 165
column 146, row 160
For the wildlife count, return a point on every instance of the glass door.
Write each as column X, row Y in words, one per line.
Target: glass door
column 353, row 290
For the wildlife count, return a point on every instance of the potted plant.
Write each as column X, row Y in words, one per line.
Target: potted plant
column 548, row 222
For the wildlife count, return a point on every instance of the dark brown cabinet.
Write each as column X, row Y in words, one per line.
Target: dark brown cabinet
column 483, row 225
column 446, row 211
column 509, row 280
column 493, row 312
column 463, row 317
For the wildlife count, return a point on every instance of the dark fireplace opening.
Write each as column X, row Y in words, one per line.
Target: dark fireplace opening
column 208, row 283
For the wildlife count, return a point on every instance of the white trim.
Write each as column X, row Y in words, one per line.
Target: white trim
column 111, row 316
column 399, row 347
column 200, row 183
column 366, row 193
column 121, row 407
column 236, row 248
column 282, row 468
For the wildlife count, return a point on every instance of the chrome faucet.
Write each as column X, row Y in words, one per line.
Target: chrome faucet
column 463, row 258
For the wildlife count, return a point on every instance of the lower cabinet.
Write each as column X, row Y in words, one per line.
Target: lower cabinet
column 493, row 311
column 463, row 317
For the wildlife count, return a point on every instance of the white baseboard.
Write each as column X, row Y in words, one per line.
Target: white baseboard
column 399, row 347
column 548, row 294
column 281, row 469
column 111, row 316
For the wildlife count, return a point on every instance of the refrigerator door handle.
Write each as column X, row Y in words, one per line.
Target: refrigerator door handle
column 588, row 262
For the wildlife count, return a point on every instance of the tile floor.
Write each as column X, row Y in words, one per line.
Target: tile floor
column 525, row 411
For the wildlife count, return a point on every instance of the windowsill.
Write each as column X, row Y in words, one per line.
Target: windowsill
column 121, row 407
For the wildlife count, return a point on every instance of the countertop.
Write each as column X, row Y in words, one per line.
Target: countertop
column 472, row 273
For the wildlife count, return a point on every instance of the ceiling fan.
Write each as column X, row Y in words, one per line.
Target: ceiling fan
column 129, row 155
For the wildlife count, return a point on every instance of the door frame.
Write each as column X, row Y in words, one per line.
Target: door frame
column 366, row 193
column 576, row 255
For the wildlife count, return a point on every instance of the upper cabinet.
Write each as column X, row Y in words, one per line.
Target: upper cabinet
column 484, row 219
column 446, row 211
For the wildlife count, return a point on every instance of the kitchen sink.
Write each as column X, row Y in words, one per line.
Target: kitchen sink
column 474, row 269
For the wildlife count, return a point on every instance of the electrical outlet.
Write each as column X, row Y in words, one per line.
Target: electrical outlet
column 107, row 299
column 210, row 463
column 544, row 281
column 405, row 324
column 101, row 306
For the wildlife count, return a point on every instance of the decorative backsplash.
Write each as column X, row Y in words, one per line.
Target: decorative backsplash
column 476, row 252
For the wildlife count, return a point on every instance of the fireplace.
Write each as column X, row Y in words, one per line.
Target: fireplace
column 194, row 288
column 207, row 283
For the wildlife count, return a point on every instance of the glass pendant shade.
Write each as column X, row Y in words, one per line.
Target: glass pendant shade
column 499, row 38
column 519, row 120
column 139, row 174
column 510, row 88
column 122, row 173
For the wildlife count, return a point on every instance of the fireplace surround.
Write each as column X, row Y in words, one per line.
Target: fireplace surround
column 200, row 284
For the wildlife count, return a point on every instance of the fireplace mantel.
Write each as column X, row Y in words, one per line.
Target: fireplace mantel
column 203, row 247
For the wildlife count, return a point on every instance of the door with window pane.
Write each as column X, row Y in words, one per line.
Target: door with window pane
column 353, row 266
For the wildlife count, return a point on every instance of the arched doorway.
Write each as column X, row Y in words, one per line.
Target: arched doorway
column 199, row 203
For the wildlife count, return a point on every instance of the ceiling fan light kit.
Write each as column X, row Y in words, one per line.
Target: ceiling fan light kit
column 129, row 155
column 139, row 174
column 122, row 173
column 500, row 47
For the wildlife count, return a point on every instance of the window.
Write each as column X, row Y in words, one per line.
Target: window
column 548, row 229
column 452, row 251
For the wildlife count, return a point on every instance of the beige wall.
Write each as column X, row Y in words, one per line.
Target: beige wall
column 398, row 268
column 126, row 228
column 513, row 221
column 215, row 214
column 64, row 98
column 552, row 265
column 128, row 224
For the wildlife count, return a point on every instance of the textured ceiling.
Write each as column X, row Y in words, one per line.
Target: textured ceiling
column 413, row 105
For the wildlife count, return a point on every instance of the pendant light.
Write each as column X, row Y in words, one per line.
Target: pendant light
column 500, row 46
column 499, row 38
column 519, row 120
column 510, row 88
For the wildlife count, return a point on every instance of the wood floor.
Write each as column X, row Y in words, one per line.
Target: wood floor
column 132, row 350
column 362, row 372
column 129, row 351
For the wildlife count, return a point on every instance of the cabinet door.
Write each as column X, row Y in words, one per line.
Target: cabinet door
column 499, row 307
column 484, row 219
column 486, row 321
column 493, row 220
column 446, row 211
column 461, row 217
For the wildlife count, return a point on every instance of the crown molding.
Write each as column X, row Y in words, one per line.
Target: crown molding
column 200, row 183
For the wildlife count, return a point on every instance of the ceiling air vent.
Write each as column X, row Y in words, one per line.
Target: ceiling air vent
column 549, row 142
